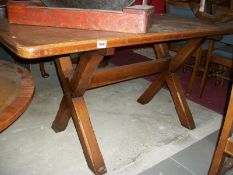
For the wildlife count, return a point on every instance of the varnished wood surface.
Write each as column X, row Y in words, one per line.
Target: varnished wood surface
column 133, row 19
column 172, row 81
column 73, row 105
column 16, row 92
column 127, row 72
column 225, row 143
column 35, row 42
column 229, row 147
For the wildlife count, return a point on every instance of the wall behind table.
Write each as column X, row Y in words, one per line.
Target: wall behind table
column 159, row 5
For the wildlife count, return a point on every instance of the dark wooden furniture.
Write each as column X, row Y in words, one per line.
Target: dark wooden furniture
column 43, row 72
column 225, row 143
column 222, row 56
column 16, row 89
column 183, row 9
column 222, row 5
column 32, row 42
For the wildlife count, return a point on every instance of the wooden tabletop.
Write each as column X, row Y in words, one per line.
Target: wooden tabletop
column 16, row 89
column 36, row 41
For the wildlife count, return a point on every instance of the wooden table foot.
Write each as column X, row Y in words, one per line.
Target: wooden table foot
column 161, row 51
column 150, row 92
column 172, row 81
column 74, row 84
column 182, row 108
column 87, row 137
column 62, row 118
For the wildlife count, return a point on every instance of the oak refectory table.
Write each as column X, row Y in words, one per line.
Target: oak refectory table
column 35, row 42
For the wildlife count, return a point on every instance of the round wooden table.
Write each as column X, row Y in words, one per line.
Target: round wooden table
column 16, row 91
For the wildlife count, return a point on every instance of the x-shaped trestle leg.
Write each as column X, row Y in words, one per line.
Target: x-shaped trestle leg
column 172, row 80
column 74, row 84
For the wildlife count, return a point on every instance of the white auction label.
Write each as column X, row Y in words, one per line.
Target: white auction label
column 101, row 44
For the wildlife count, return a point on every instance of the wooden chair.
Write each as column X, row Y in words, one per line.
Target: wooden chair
column 16, row 89
column 183, row 9
column 225, row 143
column 221, row 56
column 222, row 5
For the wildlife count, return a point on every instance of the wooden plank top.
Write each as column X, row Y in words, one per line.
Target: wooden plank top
column 36, row 41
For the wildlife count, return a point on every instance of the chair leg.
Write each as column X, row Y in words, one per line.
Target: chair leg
column 206, row 69
column 44, row 74
column 195, row 70
column 204, row 77
column 223, row 75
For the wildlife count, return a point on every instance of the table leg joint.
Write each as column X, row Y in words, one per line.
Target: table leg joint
column 74, row 84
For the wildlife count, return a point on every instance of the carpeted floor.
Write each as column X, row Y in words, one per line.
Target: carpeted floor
column 214, row 97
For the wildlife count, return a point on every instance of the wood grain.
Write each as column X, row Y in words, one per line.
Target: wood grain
column 131, row 20
column 127, row 72
column 229, row 147
column 161, row 51
column 179, row 99
column 74, row 84
column 21, row 99
column 225, row 142
column 35, row 42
